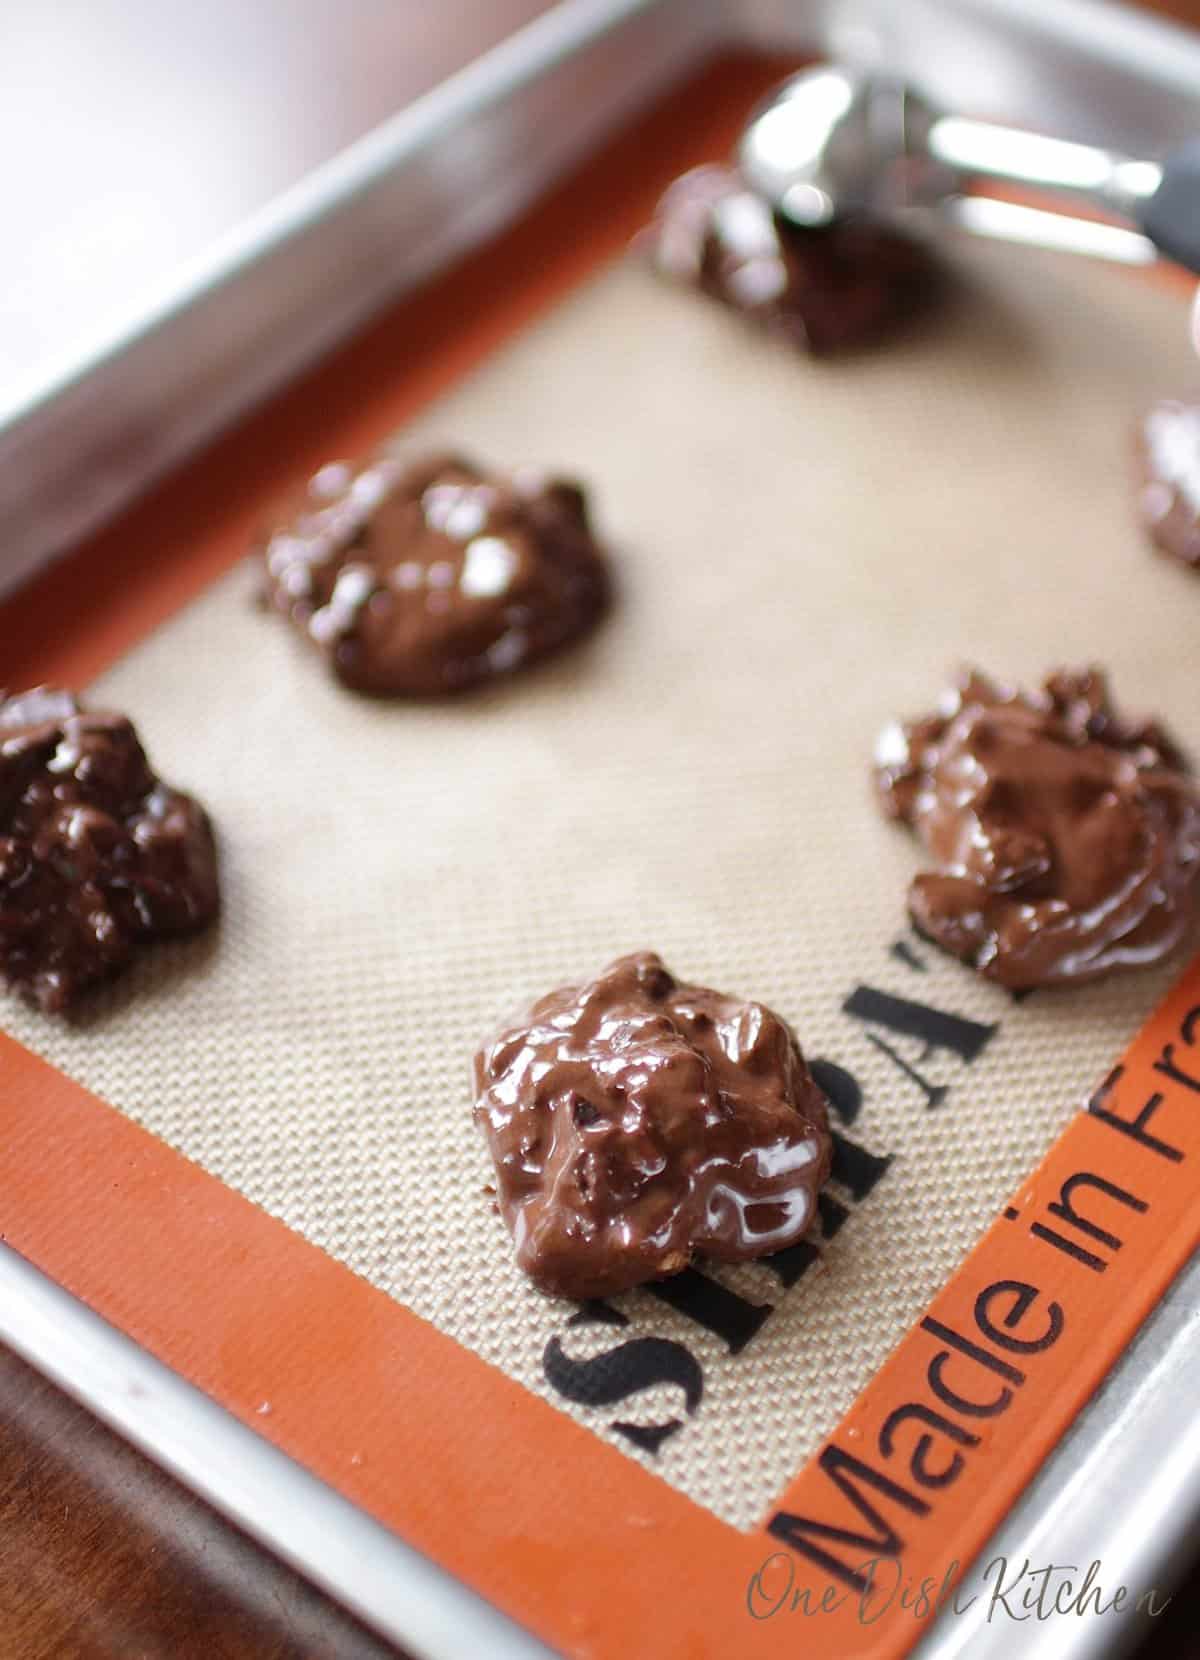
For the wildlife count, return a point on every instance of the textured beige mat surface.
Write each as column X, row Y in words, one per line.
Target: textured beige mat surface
column 804, row 551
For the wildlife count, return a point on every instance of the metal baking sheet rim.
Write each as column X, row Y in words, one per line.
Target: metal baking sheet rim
column 94, row 429
column 1124, row 1484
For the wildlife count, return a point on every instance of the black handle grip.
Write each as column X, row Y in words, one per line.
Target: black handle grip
column 1171, row 217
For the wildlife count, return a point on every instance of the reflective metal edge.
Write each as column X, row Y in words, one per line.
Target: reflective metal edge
column 438, row 178
column 400, row 204
column 1125, row 1482
column 1122, row 1489
column 387, row 1584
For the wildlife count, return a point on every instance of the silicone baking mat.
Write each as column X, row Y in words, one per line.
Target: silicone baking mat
column 804, row 550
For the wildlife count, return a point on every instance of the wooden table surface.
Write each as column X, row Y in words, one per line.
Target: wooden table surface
column 103, row 1557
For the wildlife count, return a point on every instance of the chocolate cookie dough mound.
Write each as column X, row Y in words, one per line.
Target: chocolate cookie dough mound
column 1169, row 484
column 423, row 579
column 97, row 855
column 1066, row 839
column 636, row 1121
column 822, row 290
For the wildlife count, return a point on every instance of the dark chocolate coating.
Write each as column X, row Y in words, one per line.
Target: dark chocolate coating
column 636, row 1122
column 1066, row 840
column 1169, row 479
column 97, row 855
column 823, row 290
column 423, row 579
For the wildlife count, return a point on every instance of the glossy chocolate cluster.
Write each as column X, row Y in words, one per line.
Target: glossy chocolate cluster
column 636, row 1122
column 421, row 579
column 98, row 856
column 1065, row 839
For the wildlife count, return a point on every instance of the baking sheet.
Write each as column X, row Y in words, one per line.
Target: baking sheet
column 804, row 551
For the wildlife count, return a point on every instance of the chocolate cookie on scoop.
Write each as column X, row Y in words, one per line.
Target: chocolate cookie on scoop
column 1168, row 497
column 823, row 291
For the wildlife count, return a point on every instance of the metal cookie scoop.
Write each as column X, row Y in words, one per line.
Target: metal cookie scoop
column 831, row 142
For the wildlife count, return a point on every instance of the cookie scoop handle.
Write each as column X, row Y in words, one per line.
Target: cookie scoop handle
column 1170, row 217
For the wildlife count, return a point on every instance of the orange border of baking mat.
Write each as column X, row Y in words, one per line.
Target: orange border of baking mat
column 421, row 1432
